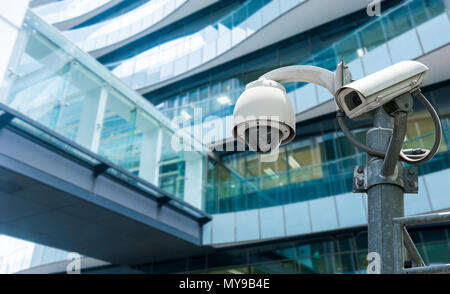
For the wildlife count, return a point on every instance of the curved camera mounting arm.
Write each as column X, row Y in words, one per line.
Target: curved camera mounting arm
column 303, row 73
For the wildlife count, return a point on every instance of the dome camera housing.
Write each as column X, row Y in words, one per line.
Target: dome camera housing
column 264, row 117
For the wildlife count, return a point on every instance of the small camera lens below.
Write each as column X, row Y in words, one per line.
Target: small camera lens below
column 263, row 139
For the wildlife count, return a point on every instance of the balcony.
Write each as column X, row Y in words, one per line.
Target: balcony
column 59, row 86
column 182, row 55
column 408, row 31
column 69, row 13
column 101, row 38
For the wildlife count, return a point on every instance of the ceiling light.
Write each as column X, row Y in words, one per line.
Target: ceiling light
column 224, row 100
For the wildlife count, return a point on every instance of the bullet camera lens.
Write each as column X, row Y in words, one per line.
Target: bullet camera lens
column 352, row 100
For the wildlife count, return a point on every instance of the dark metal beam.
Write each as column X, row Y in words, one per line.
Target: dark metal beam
column 5, row 119
column 203, row 220
column 163, row 200
column 100, row 168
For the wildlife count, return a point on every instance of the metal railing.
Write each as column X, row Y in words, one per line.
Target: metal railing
column 403, row 240
column 181, row 55
column 69, row 9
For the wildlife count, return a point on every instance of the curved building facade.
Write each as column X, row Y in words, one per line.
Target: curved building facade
column 122, row 79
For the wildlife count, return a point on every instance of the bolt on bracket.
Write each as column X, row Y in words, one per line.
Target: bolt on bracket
column 405, row 176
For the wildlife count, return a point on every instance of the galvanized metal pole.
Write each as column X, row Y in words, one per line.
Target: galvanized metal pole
column 385, row 200
column 384, row 180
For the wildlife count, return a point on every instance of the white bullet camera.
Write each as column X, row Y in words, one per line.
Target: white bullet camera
column 264, row 117
column 375, row 90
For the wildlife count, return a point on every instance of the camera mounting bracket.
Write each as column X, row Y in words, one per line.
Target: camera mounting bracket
column 303, row 73
column 405, row 177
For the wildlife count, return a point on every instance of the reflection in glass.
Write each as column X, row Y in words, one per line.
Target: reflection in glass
column 119, row 136
column 372, row 36
column 283, row 267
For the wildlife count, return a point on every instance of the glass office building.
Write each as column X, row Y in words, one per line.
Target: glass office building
column 125, row 79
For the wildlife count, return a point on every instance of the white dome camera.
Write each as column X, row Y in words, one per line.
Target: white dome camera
column 264, row 116
column 375, row 90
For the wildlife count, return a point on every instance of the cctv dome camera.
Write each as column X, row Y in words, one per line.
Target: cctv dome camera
column 264, row 117
column 262, row 137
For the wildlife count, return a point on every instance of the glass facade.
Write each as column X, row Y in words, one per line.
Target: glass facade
column 314, row 166
column 15, row 254
column 56, row 84
column 73, row 98
column 184, row 27
column 111, row 12
column 339, row 252
column 59, row 86
column 405, row 31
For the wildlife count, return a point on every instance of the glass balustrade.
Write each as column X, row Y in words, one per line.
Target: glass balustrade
column 68, row 9
column 175, row 57
column 405, row 32
column 109, row 32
